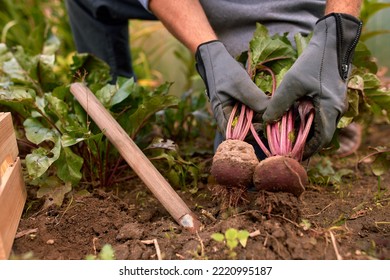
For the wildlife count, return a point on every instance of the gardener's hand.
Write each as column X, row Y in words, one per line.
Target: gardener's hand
column 321, row 73
column 227, row 82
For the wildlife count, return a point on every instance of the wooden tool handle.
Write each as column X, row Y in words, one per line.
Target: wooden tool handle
column 156, row 183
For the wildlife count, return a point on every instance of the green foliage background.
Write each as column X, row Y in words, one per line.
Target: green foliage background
column 375, row 24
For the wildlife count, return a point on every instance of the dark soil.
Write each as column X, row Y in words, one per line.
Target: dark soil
column 350, row 220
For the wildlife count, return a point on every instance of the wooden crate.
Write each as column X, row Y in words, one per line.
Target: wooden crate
column 12, row 188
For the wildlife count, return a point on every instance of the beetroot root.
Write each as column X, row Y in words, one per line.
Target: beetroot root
column 280, row 174
column 234, row 163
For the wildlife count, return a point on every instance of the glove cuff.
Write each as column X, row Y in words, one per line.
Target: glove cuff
column 206, row 43
column 348, row 30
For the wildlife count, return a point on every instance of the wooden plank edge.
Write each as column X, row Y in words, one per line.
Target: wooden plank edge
column 13, row 196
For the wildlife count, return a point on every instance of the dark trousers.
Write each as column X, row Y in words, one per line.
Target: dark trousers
column 101, row 27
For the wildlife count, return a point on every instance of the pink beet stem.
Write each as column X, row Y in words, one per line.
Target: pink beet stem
column 283, row 136
column 273, row 138
column 237, row 129
column 299, row 143
column 249, row 116
column 258, row 140
column 280, row 134
column 306, row 110
column 241, row 129
column 230, row 122
column 290, row 129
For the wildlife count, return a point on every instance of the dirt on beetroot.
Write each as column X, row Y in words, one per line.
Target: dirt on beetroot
column 344, row 221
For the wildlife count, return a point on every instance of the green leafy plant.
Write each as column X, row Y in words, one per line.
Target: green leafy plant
column 56, row 135
column 367, row 98
column 379, row 165
column 323, row 173
column 380, row 160
column 18, row 31
column 180, row 172
column 268, row 60
column 232, row 238
column 188, row 122
column 368, row 10
column 54, row 122
column 106, row 253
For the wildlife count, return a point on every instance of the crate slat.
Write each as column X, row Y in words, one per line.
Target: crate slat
column 8, row 146
column 12, row 188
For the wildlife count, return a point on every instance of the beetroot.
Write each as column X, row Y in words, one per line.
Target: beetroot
column 280, row 173
column 234, row 163
column 282, row 170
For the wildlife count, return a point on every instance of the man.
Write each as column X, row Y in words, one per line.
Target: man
column 101, row 27
column 217, row 31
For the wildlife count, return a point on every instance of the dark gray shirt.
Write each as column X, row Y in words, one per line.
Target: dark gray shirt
column 234, row 21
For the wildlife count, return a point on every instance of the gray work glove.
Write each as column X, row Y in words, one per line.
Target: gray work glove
column 321, row 73
column 227, row 82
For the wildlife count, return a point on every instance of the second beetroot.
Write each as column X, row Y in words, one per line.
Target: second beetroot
column 280, row 173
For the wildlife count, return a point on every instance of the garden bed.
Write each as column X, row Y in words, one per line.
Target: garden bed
column 348, row 221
